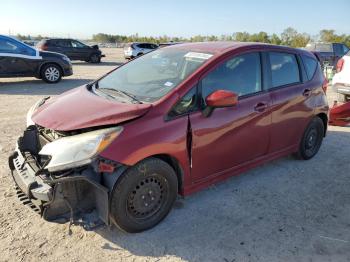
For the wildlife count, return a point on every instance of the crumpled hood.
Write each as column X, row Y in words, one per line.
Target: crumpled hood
column 80, row 108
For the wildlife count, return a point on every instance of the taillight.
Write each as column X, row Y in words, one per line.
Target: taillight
column 340, row 65
column 324, row 85
column 44, row 47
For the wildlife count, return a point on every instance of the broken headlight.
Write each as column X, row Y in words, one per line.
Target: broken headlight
column 78, row 150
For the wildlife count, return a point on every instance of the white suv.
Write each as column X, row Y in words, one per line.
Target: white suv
column 341, row 80
column 136, row 49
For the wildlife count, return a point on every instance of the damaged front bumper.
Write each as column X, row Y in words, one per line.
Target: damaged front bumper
column 57, row 196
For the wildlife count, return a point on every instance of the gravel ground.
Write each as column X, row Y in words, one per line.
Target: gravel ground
column 287, row 210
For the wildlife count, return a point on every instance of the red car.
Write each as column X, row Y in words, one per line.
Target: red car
column 173, row 121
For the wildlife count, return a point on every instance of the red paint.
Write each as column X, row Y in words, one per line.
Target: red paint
column 79, row 108
column 340, row 115
column 233, row 139
column 222, row 98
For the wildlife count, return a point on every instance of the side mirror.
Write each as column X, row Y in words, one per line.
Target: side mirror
column 221, row 98
column 218, row 99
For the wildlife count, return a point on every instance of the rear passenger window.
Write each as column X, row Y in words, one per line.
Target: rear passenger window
column 310, row 66
column 284, row 69
column 241, row 75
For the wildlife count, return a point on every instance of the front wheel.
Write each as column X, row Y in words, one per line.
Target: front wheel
column 95, row 58
column 312, row 139
column 51, row 73
column 144, row 195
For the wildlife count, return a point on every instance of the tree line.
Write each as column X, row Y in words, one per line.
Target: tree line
column 289, row 37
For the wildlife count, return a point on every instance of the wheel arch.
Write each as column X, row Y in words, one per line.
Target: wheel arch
column 50, row 63
column 324, row 119
column 174, row 163
column 111, row 182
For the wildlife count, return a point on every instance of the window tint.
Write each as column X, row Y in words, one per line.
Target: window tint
column 284, row 69
column 338, row 49
column 188, row 103
column 241, row 75
column 64, row 43
column 14, row 47
column 310, row 66
column 77, row 44
column 345, row 49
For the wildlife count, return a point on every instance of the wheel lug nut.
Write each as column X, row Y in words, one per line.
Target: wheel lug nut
column 143, row 197
column 146, row 204
column 152, row 198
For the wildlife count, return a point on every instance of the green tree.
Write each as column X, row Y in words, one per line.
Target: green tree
column 275, row 39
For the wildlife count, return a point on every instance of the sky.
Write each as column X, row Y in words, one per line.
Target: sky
column 81, row 19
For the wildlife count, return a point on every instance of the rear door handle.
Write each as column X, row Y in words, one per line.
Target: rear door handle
column 260, row 107
column 307, row 92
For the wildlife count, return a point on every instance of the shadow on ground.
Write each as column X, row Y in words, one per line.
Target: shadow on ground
column 38, row 87
column 285, row 210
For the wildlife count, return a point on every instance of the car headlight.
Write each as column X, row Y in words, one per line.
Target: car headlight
column 78, row 150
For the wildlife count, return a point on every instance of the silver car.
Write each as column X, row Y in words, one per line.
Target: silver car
column 136, row 49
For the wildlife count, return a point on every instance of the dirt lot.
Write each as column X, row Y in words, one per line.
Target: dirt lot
column 287, row 210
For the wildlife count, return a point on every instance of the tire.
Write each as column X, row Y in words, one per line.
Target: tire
column 95, row 58
column 143, row 195
column 311, row 140
column 139, row 54
column 51, row 73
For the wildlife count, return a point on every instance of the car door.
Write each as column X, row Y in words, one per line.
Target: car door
column 17, row 59
column 292, row 107
column 80, row 50
column 65, row 47
column 232, row 136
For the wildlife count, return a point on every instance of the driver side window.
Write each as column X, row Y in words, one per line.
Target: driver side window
column 240, row 74
column 77, row 44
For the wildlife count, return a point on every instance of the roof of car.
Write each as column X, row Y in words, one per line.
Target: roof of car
column 224, row 46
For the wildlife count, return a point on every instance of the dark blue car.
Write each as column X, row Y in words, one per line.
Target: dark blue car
column 20, row 60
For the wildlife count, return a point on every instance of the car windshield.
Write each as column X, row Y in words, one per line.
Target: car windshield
column 151, row 76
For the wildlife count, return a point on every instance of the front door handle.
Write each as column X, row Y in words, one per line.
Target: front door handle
column 307, row 92
column 260, row 107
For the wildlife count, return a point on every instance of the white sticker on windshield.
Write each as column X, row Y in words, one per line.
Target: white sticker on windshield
column 198, row 55
column 168, row 84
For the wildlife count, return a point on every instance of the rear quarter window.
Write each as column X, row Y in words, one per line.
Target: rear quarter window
column 310, row 66
column 284, row 69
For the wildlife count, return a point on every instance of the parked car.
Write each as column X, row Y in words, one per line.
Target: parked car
column 31, row 42
column 169, row 44
column 20, row 60
column 341, row 80
column 74, row 49
column 328, row 53
column 137, row 49
column 172, row 121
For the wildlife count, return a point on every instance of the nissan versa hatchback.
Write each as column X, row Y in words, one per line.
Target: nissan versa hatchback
column 171, row 122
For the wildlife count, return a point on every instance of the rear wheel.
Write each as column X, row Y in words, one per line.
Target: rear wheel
column 312, row 139
column 51, row 73
column 144, row 195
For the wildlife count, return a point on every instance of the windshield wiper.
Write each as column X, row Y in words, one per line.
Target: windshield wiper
column 124, row 93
